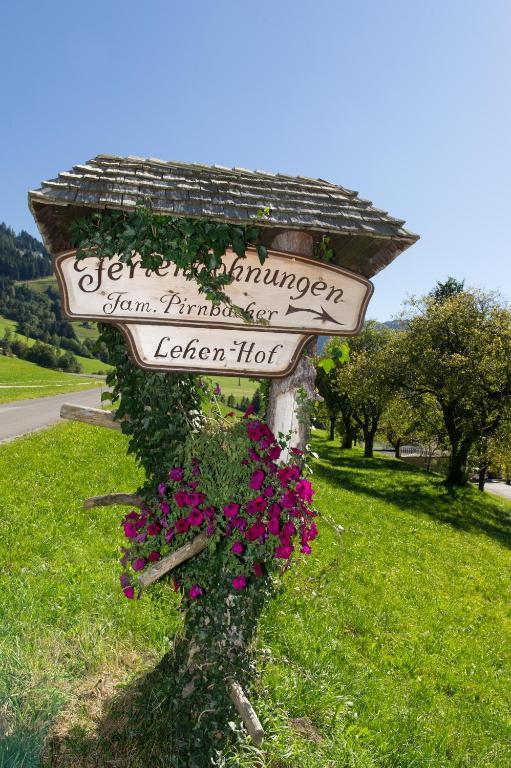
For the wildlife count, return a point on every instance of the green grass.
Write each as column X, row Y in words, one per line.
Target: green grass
column 89, row 364
column 41, row 284
column 392, row 638
column 234, row 385
column 20, row 380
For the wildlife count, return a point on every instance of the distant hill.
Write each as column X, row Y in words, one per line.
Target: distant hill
column 22, row 257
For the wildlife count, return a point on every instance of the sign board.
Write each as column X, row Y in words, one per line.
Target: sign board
column 286, row 293
column 250, row 352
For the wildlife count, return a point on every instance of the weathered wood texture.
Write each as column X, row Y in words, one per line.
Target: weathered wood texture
column 283, row 412
column 94, row 416
column 247, row 713
column 159, row 569
column 126, row 499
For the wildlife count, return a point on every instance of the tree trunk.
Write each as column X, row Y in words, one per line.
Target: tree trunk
column 481, row 478
column 282, row 414
column 397, row 449
column 347, row 439
column 331, row 436
column 457, row 473
column 368, row 444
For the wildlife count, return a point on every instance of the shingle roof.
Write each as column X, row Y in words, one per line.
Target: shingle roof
column 363, row 237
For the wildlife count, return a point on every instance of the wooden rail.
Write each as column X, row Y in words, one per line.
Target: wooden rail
column 127, row 499
column 94, row 416
column 247, row 713
column 159, row 569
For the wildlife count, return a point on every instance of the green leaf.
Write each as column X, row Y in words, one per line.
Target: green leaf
column 327, row 364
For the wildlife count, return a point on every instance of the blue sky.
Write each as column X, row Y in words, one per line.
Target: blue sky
column 408, row 103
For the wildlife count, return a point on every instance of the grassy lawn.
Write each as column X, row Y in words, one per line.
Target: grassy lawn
column 20, row 380
column 393, row 638
column 234, row 385
column 89, row 364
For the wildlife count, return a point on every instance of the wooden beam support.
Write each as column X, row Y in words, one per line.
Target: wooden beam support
column 247, row 713
column 159, row 569
column 94, row 416
column 128, row 499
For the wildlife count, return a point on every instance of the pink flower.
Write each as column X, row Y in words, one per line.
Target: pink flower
column 164, row 506
column 254, row 506
column 123, row 578
column 239, row 582
column 231, row 509
column 288, row 500
column 162, row 489
column 153, row 529
column 274, row 452
column 306, row 549
column 138, row 564
column 181, row 499
column 313, row 531
column 194, row 499
column 284, row 551
column 217, row 390
column 240, row 523
column 274, row 510
column 153, row 556
column 194, row 592
column 269, row 491
column 210, row 529
column 129, row 530
column 176, row 474
column 273, row 526
column 195, row 517
column 255, row 431
column 250, row 410
column 297, row 452
column 182, row 525
column 129, row 592
column 304, row 490
column 170, row 534
column 255, row 531
column 258, row 569
column 237, row 548
column 257, row 479
column 254, row 456
column 195, row 468
column 209, row 511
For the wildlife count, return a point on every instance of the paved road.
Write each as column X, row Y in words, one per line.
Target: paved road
column 498, row 489
column 24, row 416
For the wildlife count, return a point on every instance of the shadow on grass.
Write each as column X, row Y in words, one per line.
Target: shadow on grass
column 133, row 727
column 415, row 490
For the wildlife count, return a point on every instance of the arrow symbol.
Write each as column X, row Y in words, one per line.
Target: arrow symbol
column 323, row 315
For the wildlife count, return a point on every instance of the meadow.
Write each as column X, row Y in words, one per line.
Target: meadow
column 387, row 648
column 89, row 364
column 20, row 379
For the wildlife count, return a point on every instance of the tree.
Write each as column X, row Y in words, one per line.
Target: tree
column 334, row 398
column 399, row 422
column 447, row 290
column 366, row 379
column 458, row 350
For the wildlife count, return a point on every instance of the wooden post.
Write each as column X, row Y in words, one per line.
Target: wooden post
column 282, row 404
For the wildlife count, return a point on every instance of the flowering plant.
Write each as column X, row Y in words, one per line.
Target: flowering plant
column 255, row 512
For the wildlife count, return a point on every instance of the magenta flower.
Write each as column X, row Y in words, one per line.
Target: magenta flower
column 194, row 499
column 217, row 390
column 255, row 531
column 153, row 556
column 273, row 526
column 231, row 509
column 257, row 479
column 194, row 592
column 182, row 525
column 297, row 452
column 284, row 551
column 239, row 582
column 254, row 431
column 250, row 410
column 313, row 531
column 129, row 530
column 254, row 506
column 258, row 569
column 210, row 529
column 176, row 474
column 237, row 548
column 274, row 452
column 138, row 564
column 274, row 510
column 195, row 517
column 162, row 489
column 254, row 456
column 209, row 512
column 153, row 529
column 123, row 578
column 306, row 549
column 129, row 592
column 164, row 506
column 269, row 491
column 304, row 490
column 288, row 500
column 169, row 535
column 181, row 499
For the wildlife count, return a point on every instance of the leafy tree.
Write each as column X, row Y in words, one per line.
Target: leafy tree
column 447, row 290
column 458, row 350
column 399, row 422
column 366, row 379
column 335, row 400
column 499, row 450
column 42, row 354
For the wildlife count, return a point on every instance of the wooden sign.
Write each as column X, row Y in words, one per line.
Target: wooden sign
column 286, row 293
column 224, row 351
